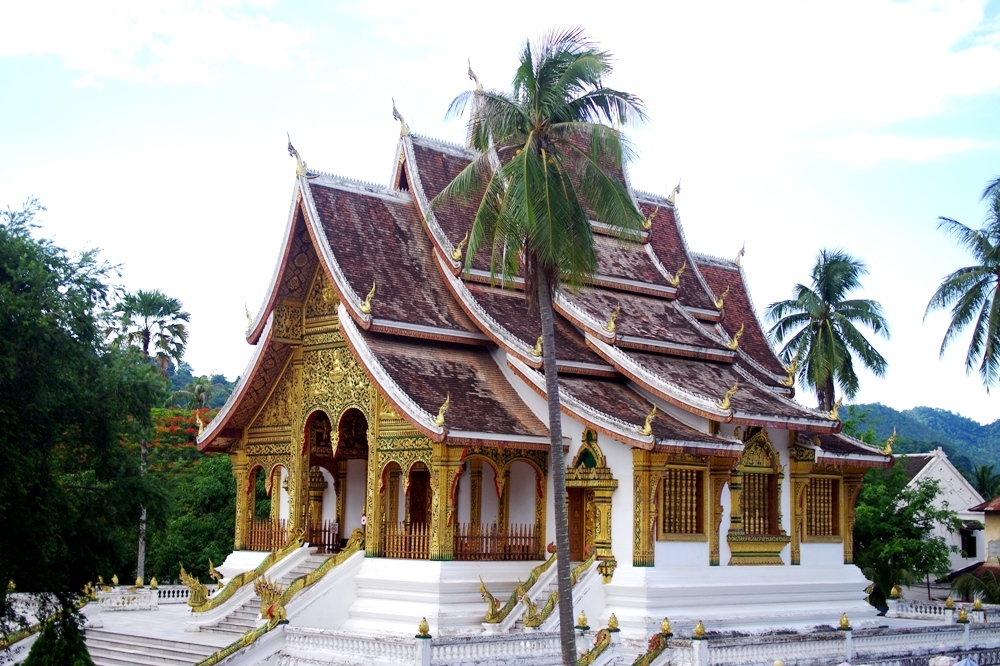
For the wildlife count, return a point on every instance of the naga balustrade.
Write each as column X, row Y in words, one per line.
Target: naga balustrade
column 265, row 535
column 489, row 541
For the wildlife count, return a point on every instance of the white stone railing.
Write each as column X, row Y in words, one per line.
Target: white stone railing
column 535, row 648
column 126, row 599
column 175, row 594
column 311, row 643
column 912, row 609
column 766, row 649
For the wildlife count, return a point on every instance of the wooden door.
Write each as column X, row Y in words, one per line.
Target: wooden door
column 420, row 482
column 577, row 523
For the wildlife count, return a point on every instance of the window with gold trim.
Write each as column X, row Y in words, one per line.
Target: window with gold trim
column 682, row 503
column 822, row 507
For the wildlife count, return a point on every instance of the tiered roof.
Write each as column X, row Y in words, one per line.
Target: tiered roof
column 686, row 331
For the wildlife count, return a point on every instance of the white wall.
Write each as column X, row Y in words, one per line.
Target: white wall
column 282, row 494
column 521, row 508
column 354, row 506
column 329, row 497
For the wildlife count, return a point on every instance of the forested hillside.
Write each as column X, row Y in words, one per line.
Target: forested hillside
column 920, row 429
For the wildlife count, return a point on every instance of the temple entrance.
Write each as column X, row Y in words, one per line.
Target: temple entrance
column 418, row 502
column 577, row 516
column 406, row 536
column 268, row 510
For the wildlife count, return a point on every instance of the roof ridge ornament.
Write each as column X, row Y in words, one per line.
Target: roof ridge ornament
column 475, row 79
column 647, row 224
column 675, row 279
column 439, row 419
column 366, row 307
column 404, row 129
column 833, row 415
column 610, row 325
column 739, row 255
column 246, row 311
column 647, row 428
column 793, row 367
column 456, row 253
column 724, row 404
column 721, row 300
column 672, row 199
column 537, row 351
column 734, row 343
column 301, row 169
column 887, row 449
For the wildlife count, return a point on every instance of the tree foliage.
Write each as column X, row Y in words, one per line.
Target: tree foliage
column 894, row 540
column 819, row 328
column 69, row 492
column 546, row 166
column 61, row 643
column 973, row 292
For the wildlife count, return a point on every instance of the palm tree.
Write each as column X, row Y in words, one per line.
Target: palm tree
column 151, row 319
column 972, row 292
column 985, row 480
column 819, row 328
column 545, row 160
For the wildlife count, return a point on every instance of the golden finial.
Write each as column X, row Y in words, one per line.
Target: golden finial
column 672, row 199
column 977, row 604
column 423, row 629
column 404, row 129
column 963, row 616
column 613, row 623
column 439, row 421
column 845, row 623
column 114, row 579
column 647, row 428
column 665, row 627
column 366, row 307
column 647, row 224
column 537, row 351
column 456, row 254
column 949, row 602
column 610, row 326
column 793, row 367
column 817, row 441
column 721, row 300
column 699, row 629
column 153, row 584
column 734, row 344
column 887, row 449
column 139, row 582
column 834, row 415
column 739, row 255
column 581, row 620
column 474, row 78
column 201, row 424
column 300, row 167
column 675, row 279
column 10, row 585
column 724, row 403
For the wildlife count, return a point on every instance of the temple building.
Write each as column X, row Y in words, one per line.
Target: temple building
column 391, row 391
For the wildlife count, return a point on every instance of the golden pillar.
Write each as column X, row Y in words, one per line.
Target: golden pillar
column 643, row 520
column 340, row 487
column 853, row 478
column 503, row 503
column 317, row 484
column 475, row 491
column 244, row 498
column 801, row 462
column 719, row 470
column 736, row 503
column 445, row 468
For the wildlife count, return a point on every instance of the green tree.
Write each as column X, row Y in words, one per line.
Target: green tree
column 985, row 479
column 894, row 540
column 150, row 319
column 61, row 643
column 972, row 292
column 69, row 493
column 545, row 160
column 818, row 328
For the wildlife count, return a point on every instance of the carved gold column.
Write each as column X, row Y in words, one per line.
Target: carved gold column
column 602, row 527
column 340, row 487
column 801, row 462
column 475, row 491
column 317, row 484
column 736, row 503
column 445, row 467
column 642, row 508
column 503, row 503
column 244, row 498
column 392, row 496
column 853, row 477
column 719, row 470
column 298, row 474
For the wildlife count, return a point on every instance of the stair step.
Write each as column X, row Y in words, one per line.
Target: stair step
column 113, row 649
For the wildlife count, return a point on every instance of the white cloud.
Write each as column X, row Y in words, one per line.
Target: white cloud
column 169, row 41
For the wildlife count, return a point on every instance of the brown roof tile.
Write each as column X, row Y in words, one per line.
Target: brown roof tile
column 380, row 238
column 668, row 244
column 482, row 400
column 842, row 445
column 738, row 310
column 626, row 261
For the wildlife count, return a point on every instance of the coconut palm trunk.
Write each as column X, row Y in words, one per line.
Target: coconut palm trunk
column 557, row 463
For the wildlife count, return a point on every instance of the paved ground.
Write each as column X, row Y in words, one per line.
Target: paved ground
column 167, row 623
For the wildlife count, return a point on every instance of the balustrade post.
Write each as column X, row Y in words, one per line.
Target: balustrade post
column 422, row 653
column 699, row 650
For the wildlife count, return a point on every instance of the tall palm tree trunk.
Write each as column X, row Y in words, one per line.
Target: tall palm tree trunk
column 558, row 471
column 140, row 567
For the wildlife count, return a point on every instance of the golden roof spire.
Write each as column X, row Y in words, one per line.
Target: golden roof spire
column 675, row 279
column 672, row 199
column 887, row 449
column 833, row 415
column 439, row 421
column 300, row 166
column 647, row 224
column 739, row 255
column 734, row 344
column 474, row 78
column 610, row 326
column 724, row 403
column 456, row 254
column 404, row 129
column 366, row 307
column 721, row 300
column 647, row 428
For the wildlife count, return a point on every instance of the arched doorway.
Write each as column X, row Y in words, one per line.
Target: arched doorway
column 589, row 487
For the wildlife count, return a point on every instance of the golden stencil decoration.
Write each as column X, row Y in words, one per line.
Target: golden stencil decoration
column 287, row 322
column 322, row 301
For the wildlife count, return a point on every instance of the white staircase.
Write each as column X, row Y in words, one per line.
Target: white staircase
column 246, row 616
column 113, row 649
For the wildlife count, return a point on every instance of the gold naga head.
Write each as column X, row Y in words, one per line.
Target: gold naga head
column 366, row 307
column 887, row 449
column 647, row 224
column 672, row 199
column 834, row 413
column 734, row 343
column 721, row 300
column 537, row 351
column 675, row 279
column 647, row 428
column 724, row 404
column 439, row 420
column 456, row 254
column 610, row 326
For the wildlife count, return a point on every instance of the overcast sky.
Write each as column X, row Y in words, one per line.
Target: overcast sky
column 155, row 130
